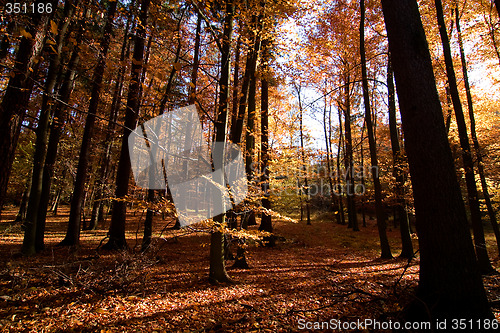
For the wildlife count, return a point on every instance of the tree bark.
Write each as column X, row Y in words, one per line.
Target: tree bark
column 35, row 228
column 103, row 171
column 397, row 161
column 348, row 155
column 475, row 141
column 379, row 208
column 73, row 232
column 327, row 130
column 303, row 155
column 266, row 222
column 450, row 284
column 217, row 265
column 118, row 218
column 18, row 91
column 472, row 194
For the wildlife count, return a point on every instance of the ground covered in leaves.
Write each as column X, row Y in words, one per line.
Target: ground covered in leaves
column 320, row 272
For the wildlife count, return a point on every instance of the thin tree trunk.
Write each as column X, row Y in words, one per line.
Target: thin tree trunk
column 379, row 208
column 348, row 156
column 472, row 195
column 450, row 285
column 326, row 130
column 475, row 141
column 15, row 100
column 339, row 178
column 303, row 155
column 38, row 203
column 251, row 62
column 23, row 207
column 363, row 198
column 404, row 226
column 266, row 222
column 73, row 232
column 118, row 218
column 60, row 116
column 249, row 219
column 217, row 265
column 97, row 211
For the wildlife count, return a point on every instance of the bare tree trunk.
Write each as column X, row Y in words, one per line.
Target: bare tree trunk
column 118, row 218
column 475, row 141
column 363, row 198
column 266, row 222
column 217, row 265
column 73, row 232
column 303, row 155
column 327, row 130
column 103, row 171
column 450, row 284
column 35, row 228
column 15, row 100
column 472, row 195
column 348, row 156
column 404, row 226
column 339, row 178
column 379, row 208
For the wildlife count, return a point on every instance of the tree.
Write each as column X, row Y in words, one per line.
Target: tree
column 35, row 228
column 72, row 237
column 217, row 265
column 15, row 100
column 266, row 222
column 472, row 195
column 397, row 161
column 118, row 218
column 475, row 141
column 450, row 284
column 103, row 171
column 305, row 187
column 381, row 220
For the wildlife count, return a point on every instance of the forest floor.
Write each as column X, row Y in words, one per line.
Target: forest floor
column 321, row 272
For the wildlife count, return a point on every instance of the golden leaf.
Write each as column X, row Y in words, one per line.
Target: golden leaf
column 53, row 27
column 25, row 34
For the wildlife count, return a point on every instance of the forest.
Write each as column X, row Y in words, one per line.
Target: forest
column 249, row 165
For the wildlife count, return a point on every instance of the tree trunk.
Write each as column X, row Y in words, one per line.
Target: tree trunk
column 397, row 160
column 472, row 195
column 23, row 207
column 363, row 182
column 103, row 171
column 249, row 157
column 475, row 141
column 217, row 265
column 117, row 228
column 35, row 228
column 348, row 156
column 304, row 168
column 60, row 116
column 73, row 232
column 450, row 284
column 339, row 178
column 250, row 65
column 379, row 208
column 327, row 130
column 266, row 222
column 18, row 91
